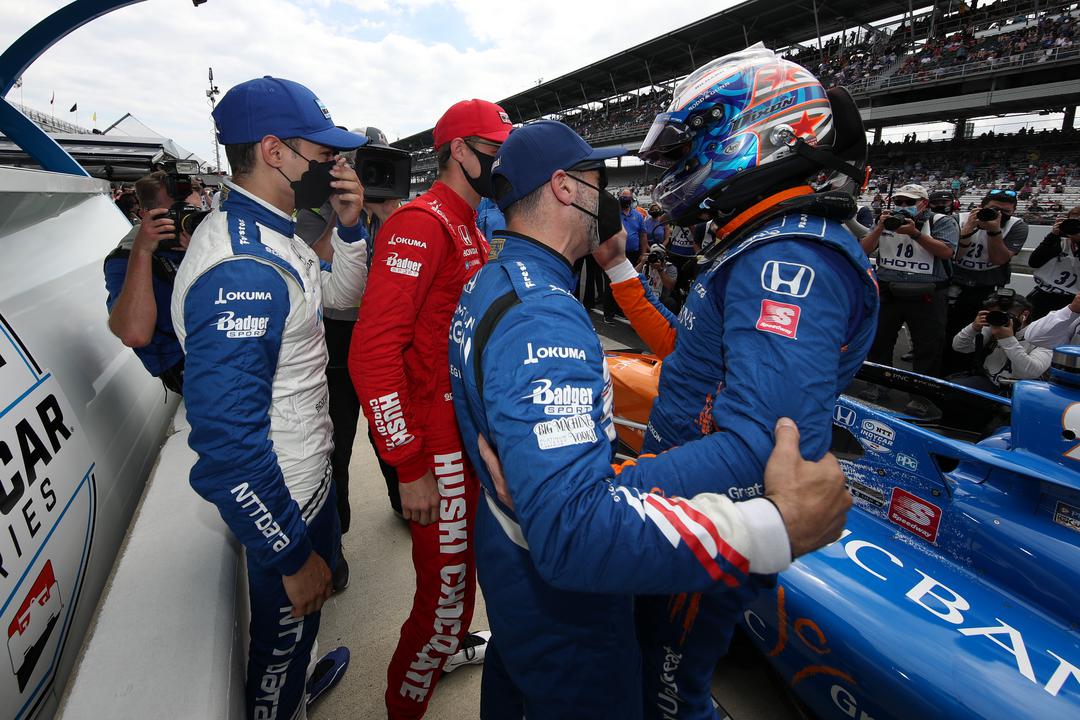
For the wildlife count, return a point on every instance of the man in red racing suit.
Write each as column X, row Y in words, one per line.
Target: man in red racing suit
column 426, row 252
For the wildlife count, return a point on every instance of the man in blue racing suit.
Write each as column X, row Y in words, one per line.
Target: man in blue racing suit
column 777, row 326
column 562, row 538
column 247, row 307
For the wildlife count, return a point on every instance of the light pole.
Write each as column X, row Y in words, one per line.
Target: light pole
column 212, row 93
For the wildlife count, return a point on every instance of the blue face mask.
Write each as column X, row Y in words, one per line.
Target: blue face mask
column 911, row 211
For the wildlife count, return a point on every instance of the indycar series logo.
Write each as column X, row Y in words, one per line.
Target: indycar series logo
column 47, row 514
column 877, row 436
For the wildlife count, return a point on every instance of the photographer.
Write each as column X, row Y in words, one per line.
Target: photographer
column 662, row 276
column 914, row 247
column 942, row 202
column 1057, row 266
column 682, row 251
column 315, row 227
column 989, row 238
column 996, row 338
column 139, row 277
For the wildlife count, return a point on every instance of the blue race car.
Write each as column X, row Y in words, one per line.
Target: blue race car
column 954, row 591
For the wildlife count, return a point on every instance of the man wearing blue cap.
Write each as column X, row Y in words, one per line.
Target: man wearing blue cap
column 563, row 538
column 247, row 308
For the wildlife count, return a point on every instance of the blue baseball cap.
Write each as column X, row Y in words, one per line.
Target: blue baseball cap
column 274, row 106
column 533, row 152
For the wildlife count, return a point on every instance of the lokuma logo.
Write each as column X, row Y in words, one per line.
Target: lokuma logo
column 47, row 515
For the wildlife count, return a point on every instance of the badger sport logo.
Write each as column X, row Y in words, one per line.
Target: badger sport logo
column 47, row 514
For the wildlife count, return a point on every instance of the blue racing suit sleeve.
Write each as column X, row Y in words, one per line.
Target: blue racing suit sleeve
column 546, row 405
column 232, row 355
column 783, row 339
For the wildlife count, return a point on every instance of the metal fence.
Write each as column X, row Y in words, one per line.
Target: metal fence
column 1043, row 58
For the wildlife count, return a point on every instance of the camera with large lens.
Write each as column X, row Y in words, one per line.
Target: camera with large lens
column 384, row 171
column 998, row 318
column 178, row 186
column 986, row 214
column 892, row 223
column 186, row 217
column 657, row 256
column 1070, row 226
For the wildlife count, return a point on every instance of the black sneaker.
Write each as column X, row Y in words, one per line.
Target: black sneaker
column 473, row 649
column 340, row 579
column 609, row 320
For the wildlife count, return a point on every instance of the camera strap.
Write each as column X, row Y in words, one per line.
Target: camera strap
column 163, row 269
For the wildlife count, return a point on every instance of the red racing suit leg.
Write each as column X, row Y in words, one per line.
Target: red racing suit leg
column 442, row 609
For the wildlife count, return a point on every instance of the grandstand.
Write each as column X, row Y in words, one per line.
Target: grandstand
column 903, row 63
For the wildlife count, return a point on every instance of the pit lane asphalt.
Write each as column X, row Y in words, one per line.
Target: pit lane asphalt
column 367, row 616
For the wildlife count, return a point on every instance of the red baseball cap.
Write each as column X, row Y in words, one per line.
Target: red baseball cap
column 473, row 118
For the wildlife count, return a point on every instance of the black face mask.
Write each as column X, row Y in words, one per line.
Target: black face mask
column 625, row 201
column 608, row 215
column 482, row 184
column 655, row 213
column 313, row 189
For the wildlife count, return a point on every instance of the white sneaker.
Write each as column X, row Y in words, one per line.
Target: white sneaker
column 473, row 649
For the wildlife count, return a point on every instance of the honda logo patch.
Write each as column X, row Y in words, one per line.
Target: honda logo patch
column 844, row 416
column 785, row 278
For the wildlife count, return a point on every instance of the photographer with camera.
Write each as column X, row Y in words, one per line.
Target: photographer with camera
column 662, row 276
column 1057, row 266
column 989, row 238
column 914, row 247
column 139, row 275
column 996, row 339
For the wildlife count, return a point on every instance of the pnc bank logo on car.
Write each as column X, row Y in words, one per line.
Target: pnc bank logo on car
column 563, row 400
column 784, row 278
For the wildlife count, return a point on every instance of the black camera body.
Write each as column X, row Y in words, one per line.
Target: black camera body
column 385, row 172
column 892, row 223
column 998, row 318
column 657, row 256
column 1070, row 226
column 185, row 217
column 986, row 214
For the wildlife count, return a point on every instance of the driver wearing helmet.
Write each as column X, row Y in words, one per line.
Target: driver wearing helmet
column 777, row 325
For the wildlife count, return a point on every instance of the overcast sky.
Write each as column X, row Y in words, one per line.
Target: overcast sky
column 394, row 64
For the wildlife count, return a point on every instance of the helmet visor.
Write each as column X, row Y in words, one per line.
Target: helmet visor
column 668, row 141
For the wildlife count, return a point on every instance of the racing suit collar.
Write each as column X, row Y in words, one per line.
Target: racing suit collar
column 458, row 207
column 523, row 247
column 760, row 211
column 237, row 198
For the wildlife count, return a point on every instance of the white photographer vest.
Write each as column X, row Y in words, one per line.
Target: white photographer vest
column 1060, row 275
column 901, row 253
column 977, row 255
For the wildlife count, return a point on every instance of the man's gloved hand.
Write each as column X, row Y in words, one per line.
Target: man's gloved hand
column 611, row 252
column 420, row 499
column 309, row 587
column 811, row 496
